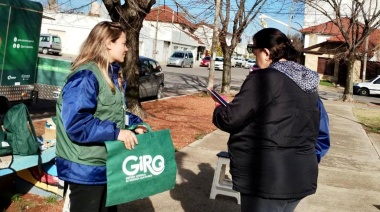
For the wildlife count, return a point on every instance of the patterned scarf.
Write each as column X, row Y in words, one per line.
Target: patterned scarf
column 305, row 78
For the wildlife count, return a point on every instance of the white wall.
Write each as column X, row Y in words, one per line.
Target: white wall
column 170, row 37
column 204, row 33
column 74, row 29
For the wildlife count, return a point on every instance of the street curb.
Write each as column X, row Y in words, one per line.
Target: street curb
column 376, row 146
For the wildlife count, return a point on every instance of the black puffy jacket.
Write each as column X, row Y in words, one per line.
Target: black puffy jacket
column 273, row 126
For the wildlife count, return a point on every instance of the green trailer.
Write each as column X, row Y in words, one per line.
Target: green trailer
column 20, row 24
column 51, row 74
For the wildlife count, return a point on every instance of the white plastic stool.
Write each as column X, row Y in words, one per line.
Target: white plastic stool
column 221, row 184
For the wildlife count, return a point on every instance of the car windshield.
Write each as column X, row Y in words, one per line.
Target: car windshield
column 218, row 59
column 178, row 55
column 370, row 80
column 206, row 58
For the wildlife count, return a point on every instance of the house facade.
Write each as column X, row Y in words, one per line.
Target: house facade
column 173, row 33
column 72, row 28
column 157, row 39
column 323, row 43
column 204, row 32
column 164, row 31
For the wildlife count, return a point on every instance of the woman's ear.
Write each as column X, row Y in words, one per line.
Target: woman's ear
column 267, row 54
column 109, row 44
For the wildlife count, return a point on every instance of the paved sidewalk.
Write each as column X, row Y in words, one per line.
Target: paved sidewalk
column 349, row 178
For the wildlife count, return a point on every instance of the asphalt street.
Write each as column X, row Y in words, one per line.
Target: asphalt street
column 182, row 81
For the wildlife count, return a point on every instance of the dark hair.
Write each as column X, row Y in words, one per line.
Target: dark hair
column 279, row 46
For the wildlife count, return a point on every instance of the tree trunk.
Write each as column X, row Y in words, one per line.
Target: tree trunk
column 348, row 89
column 226, row 80
column 211, row 74
column 131, row 71
column 131, row 15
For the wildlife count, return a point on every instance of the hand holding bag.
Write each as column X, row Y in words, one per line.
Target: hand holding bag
column 148, row 169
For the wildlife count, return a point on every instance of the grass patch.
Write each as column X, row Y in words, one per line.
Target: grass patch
column 26, row 205
column 200, row 135
column 326, row 83
column 52, row 199
column 16, row 198
column 370, row 118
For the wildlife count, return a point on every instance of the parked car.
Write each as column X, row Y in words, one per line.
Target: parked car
column 233, row 62
column 205, row 61
column 218, row 63
column 250, row 63
column 371, row 86
column 240, row 61
column 181, row 59
column 151, row 81
column 50, row 44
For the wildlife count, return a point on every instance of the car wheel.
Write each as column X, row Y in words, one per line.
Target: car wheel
column 159, row 92
column 182, row 64
column 191, row 64
column 363, row 92
column 44, row 51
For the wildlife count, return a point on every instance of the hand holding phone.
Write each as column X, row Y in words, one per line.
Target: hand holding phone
column 217, row 98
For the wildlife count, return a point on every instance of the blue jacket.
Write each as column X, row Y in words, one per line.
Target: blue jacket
column 82, row 89
column 323, row 143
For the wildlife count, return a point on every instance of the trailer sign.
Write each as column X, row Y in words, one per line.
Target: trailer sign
column 20, row 24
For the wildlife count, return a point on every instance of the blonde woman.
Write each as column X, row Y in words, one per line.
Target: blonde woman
column 90, row 111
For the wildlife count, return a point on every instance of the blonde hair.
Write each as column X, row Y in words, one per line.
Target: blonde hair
column 94, row 48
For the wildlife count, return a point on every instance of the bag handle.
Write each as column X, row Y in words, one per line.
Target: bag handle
column 34, row 135
column 133, row 127
column 31, row 125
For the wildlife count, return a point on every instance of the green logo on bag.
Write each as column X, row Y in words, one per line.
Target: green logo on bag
column 136, row 168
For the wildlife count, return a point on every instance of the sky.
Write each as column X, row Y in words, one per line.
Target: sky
column 279, row 11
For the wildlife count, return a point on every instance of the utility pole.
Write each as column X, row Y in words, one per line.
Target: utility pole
column 365, row 58
column 213, row 45
column 290, row 18
column 155, row 36
column 171, row 38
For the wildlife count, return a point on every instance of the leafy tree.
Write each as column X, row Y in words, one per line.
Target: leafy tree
column 363, row 16
column 219, row 51
column 131, row 14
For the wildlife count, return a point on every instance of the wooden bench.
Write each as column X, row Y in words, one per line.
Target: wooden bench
column 25, row 182
column 23, row 162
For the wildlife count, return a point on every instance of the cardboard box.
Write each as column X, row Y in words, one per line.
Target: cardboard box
column 50, row 130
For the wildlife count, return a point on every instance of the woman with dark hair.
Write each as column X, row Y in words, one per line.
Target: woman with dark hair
column 273, row 124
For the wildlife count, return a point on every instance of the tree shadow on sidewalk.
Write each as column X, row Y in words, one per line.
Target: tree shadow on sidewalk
column 193, row 188
column 137, row 205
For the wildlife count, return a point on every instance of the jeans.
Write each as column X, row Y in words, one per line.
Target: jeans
column 91, row 198
column 251, row 203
